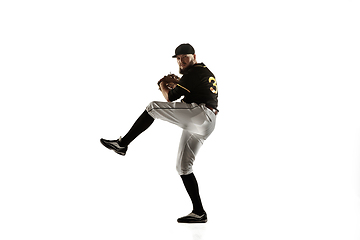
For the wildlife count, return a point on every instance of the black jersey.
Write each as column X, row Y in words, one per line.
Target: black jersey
column 197, row 85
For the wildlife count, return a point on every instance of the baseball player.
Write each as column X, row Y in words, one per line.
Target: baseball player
column 195, row 114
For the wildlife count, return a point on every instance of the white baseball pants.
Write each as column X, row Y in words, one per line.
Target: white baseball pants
column 197, row 122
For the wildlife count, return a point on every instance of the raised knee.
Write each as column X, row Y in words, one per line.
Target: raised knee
column 151, row 106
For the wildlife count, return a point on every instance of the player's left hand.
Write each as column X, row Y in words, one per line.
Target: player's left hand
column 170, row 78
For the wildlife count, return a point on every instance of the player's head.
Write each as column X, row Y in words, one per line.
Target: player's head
column 185, row 55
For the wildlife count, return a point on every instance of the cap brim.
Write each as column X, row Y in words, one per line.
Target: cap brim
column 174, row 56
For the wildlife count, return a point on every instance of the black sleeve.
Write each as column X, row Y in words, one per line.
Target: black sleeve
column 183, row 88
column 176, row 93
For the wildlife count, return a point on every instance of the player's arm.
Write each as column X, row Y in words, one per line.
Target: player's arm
column 178, row 92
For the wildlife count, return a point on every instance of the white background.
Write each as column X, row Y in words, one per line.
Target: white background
column 282, row 163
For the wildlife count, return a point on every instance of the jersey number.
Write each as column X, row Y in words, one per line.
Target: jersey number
column 213, row 81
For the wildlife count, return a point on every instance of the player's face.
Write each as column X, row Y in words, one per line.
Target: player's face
column 184, row 61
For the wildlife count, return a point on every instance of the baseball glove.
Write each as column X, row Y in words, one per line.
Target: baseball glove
column 171, row 80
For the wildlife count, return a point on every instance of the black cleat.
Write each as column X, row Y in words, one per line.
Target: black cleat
column 193, row 218
column 114, row 145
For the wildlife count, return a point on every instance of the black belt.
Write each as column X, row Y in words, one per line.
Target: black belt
column 215, row 111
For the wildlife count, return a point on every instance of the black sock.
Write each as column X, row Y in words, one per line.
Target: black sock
column 141, row 124
column 192, row 188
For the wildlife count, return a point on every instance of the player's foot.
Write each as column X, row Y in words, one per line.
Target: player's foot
column 193, row 218
column 114, row 145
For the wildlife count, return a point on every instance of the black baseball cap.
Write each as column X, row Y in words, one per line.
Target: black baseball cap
column 184, row 48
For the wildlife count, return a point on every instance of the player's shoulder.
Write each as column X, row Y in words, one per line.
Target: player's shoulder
column 198, row 72
column 200, row 65
column 200, row 68
column 204, row 71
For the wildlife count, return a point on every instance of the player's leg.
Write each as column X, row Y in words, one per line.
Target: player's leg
column 181, row 114
column 191, row 117
column 192, row 189
column 177, row 113
column 188, row 148
column 140, row 125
